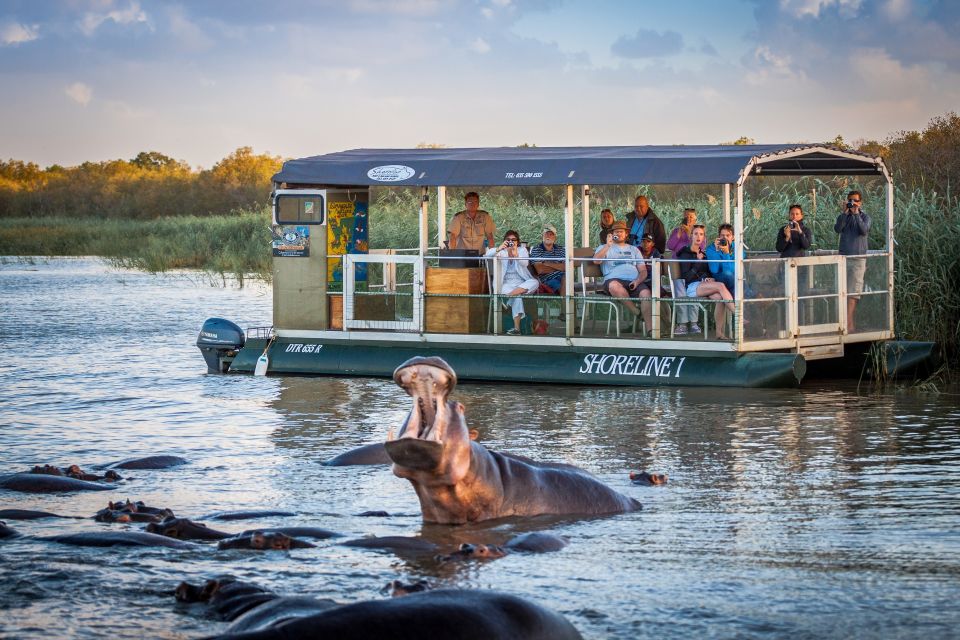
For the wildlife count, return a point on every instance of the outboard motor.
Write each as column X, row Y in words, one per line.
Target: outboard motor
column 219, row 341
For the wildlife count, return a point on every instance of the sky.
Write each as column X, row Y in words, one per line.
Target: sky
column 104, row 79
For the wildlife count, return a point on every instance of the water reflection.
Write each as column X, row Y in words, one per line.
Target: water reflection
column 820, row 512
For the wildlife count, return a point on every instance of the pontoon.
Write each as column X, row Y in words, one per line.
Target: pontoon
column 339, row 309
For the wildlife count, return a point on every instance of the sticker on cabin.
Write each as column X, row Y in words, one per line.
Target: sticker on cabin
column 308, row 206
column 391, row 173
column 291, row 241
column 612, row 364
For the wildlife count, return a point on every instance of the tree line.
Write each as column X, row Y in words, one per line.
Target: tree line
column 153, row 185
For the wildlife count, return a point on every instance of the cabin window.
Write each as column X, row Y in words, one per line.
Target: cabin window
column 294, row 208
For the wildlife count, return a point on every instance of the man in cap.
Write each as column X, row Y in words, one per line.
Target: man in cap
column 623, row 270
column 547, row 259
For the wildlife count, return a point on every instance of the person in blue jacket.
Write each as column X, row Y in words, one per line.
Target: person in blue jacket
column 723, row 249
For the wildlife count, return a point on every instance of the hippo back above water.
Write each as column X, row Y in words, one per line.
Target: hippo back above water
column 458, row 480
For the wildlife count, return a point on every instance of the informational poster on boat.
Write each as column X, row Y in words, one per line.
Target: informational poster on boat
column 291, row 241
column 346, row 233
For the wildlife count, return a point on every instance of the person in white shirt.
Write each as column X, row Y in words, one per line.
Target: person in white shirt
column 515, row 277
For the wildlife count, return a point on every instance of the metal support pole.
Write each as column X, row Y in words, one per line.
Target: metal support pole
column 726, row 203
column 738, row 264
column 585, row 230
column 655, row 301
column 890, row 198
column 424, row 206
column 569, row 303
column 441, row 216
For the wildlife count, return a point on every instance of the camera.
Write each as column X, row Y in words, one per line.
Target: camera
column 722, row 242
column 511, row 243
column 851, row 204
column 794, row 225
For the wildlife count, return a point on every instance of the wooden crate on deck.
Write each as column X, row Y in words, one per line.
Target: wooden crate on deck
column 456, row 315
column 365, row 308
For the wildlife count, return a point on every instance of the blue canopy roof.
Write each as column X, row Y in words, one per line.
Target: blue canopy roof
column 524, row 166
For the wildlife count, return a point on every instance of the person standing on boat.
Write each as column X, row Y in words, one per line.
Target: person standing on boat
column 472, row 226
column 680, row 236
column 695, row 271
column 623, row 270
column 547, row 259
column 643, row 220
column 606, row 223
column 853, row 225
column 795, row 238
column 515, row 278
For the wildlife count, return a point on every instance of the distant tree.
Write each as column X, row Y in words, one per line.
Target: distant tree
column 153, row 160
column 739, row 141
column 929, row 159
column 430, row 145
column 839, row 143
column 526, row 145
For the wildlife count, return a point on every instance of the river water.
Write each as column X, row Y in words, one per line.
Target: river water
column 811, row 513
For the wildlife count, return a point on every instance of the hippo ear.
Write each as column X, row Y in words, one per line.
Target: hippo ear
column 474, row 434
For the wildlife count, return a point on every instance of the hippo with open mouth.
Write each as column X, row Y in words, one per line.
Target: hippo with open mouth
column 458, row 480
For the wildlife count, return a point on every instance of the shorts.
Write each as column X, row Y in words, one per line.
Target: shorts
column 626, row 285
column 552, row 281
column 692, row 289
column 856, row 268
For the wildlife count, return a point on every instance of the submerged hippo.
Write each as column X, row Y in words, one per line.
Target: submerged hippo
column 444, row 613
column 458, row 480
column 119, row 539
column 263, row 541
column 26, row 514
column 132, row 512
column 645, row 479
column 249, row 606
column 396, row 588
column 7, row 532
column 533, row 542
column 186, row 529
column 46, row 483
column 246, row 515
column 74, row 471
column 149, row 462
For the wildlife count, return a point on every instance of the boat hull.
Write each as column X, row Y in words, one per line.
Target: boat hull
column 534, row 364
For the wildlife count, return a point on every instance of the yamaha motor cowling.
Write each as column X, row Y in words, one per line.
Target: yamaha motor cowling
column 219, row 341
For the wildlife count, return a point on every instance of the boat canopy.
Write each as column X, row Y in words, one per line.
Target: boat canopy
column 536, row 166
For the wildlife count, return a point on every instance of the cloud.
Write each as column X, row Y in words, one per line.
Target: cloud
column 708, row 49
column 812, row 8
column 398, row 7
column 648, row 44
column 91, row 21
column 479, row 46
column 79, row 93
column 15, row 33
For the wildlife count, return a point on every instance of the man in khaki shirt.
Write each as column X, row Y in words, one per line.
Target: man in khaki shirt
column 470, row 226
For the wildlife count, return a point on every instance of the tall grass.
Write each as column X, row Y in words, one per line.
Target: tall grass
column 237, row 245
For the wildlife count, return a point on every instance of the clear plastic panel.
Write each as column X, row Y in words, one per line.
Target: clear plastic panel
column 818, row 295
column 765, row 319
column 871, row 312
column 764, row 278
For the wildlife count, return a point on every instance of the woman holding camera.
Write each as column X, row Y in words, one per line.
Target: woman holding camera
column 515, row 276
column 695, row 271
column 794, row 239
column 680, row 236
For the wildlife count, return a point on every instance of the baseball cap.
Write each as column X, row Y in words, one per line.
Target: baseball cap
column 549, row 227
column 647, row 236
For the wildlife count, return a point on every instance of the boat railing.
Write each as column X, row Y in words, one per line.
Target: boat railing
column 785, row 301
